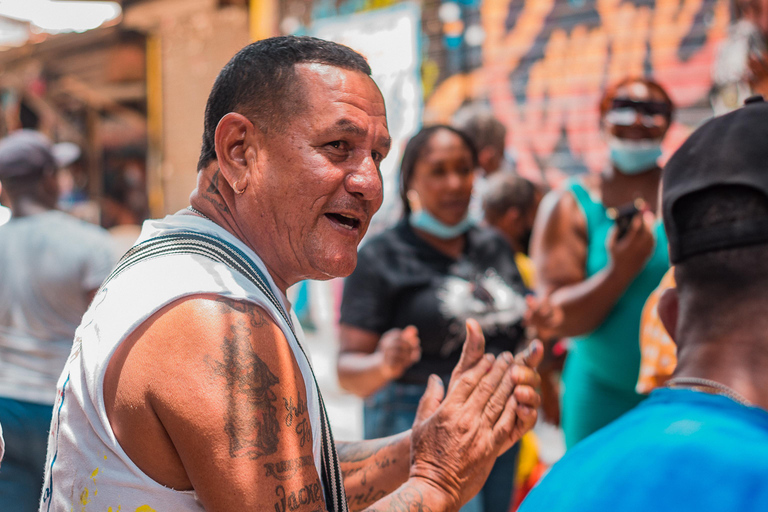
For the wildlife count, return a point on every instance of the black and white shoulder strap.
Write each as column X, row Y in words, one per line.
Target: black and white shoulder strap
column 224, row 252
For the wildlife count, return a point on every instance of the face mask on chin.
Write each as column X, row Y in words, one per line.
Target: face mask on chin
column 634, row 156
column 423, row 221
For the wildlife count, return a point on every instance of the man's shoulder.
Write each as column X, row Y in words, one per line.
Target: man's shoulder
column 669, row 448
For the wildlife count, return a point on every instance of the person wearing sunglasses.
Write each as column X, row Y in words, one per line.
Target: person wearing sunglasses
column 596, row 268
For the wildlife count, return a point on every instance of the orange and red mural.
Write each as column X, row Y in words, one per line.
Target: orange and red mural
column 542, row 65
column 542, row 73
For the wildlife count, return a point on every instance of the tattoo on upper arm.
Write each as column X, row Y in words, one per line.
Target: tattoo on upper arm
column 298, row 412
column 287, row 469
column 251, row 417
column 308, row 495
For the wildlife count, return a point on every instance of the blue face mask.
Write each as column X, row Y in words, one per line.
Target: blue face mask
column 634, row 156
column 425, row 222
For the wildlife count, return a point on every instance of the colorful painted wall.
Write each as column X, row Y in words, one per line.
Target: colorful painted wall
column 541, row 65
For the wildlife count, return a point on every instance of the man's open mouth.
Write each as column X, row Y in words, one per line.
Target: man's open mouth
column 344, row 220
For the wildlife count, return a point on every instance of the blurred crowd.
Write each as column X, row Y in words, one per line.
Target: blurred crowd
column 584, row 267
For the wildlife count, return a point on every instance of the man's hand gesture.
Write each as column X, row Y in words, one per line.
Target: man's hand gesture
column 490, row 403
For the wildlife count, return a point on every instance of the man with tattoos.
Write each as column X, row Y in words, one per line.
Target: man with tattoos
column 187, row 387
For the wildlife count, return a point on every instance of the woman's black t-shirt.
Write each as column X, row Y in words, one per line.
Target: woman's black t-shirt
column 402, row 280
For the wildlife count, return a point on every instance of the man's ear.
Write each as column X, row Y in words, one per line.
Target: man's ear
column 668, row 307
column 233, row 137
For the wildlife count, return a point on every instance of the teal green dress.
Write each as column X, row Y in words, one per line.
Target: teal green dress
column 602, row 367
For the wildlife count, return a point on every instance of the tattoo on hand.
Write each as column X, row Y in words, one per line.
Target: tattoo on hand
column 307, row 495
column 287, row 469
column 251, row 423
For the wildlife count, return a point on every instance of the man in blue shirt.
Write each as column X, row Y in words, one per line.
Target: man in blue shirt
column 701, row 443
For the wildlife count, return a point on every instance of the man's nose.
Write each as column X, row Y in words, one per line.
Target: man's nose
column 365, row 181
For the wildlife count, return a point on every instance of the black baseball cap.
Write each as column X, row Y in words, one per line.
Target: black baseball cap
column 728, row 150
column 29, row 153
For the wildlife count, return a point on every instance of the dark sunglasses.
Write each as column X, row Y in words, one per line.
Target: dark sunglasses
column 649, row 108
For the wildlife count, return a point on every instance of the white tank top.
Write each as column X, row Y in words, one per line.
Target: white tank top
column 86, row 467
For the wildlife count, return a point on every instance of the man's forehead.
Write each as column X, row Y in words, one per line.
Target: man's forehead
column 328, row 78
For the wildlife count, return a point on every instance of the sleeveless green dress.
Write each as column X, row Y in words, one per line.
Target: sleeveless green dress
column 602, row 367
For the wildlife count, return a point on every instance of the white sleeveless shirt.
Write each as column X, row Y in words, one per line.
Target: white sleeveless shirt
column 86, row 467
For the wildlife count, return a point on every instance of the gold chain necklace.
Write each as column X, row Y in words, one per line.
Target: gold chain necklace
column 720, row 389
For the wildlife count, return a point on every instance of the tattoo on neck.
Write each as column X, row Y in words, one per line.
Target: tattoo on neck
column 212, row 194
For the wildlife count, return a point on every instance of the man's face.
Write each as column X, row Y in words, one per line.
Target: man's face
column 314, row 186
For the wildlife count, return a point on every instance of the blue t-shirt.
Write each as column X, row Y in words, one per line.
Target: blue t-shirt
column 680, row 450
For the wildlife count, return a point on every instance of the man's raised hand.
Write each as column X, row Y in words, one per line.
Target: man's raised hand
column 490, row 403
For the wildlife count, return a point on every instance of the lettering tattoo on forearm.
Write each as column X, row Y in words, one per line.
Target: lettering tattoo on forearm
column 363, row 460
column 251, row 422
column 212, row 194
column 365, row 498
column 362, row 451
column 308, row 495
column 287, row 469
column 407, row 500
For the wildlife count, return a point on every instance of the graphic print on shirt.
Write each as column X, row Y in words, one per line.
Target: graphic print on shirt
column 487, row 299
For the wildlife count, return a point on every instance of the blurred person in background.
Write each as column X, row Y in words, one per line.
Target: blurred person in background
column 404, row 306
column 489, row 136
column 510, row 205
column 699, row 444
column 740, row 68
column 594, row 281
column 50, row 267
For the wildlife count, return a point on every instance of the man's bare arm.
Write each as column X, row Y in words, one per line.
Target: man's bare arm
column 208, row 396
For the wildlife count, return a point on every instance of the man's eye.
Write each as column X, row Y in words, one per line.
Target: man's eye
column 337, row 144
column 377, row 157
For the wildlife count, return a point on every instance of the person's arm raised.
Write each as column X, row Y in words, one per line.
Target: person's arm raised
column 368, row 361
column 570, row 304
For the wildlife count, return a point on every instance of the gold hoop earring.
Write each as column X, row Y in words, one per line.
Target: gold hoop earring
column 234, row 187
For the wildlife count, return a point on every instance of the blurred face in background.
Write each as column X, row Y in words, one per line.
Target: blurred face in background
column 635, row 116
column 636, row 111
column 443, row 176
